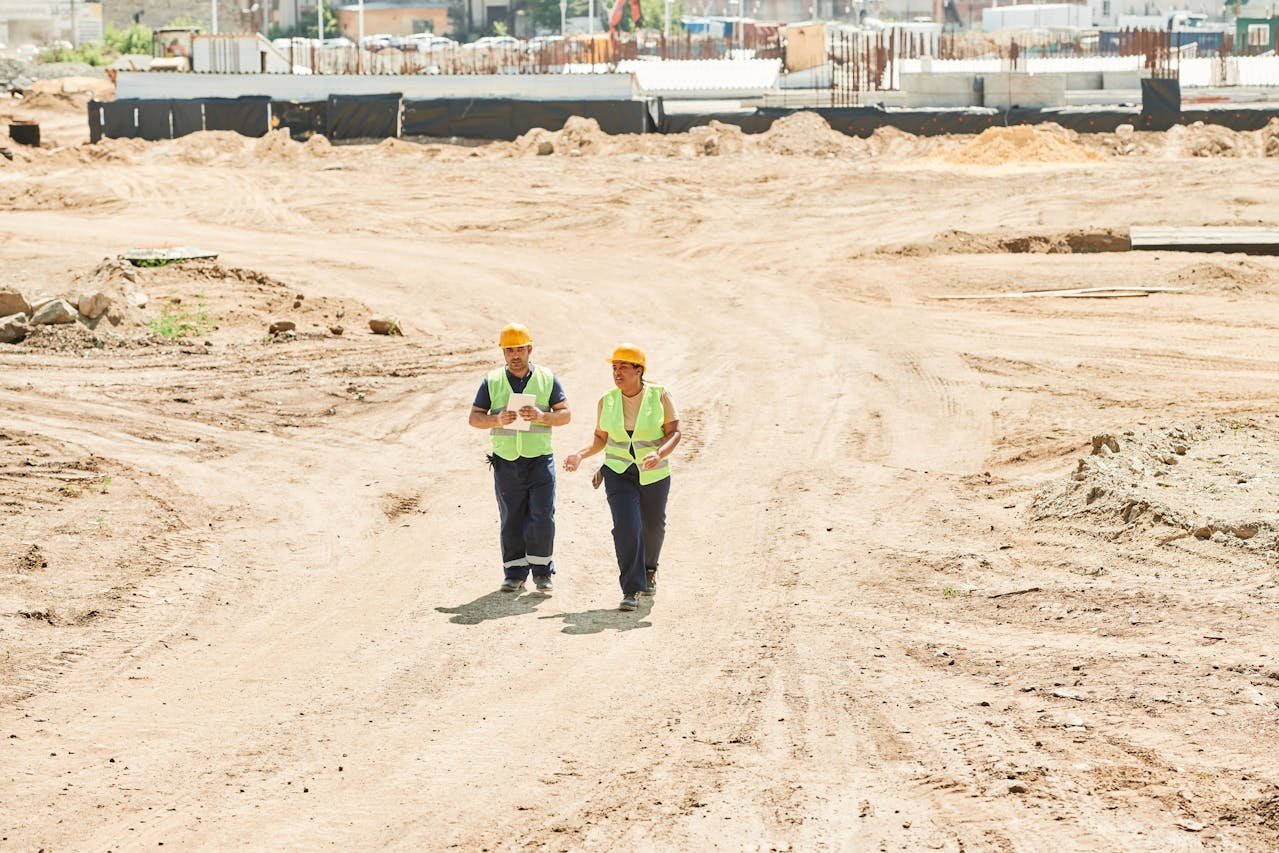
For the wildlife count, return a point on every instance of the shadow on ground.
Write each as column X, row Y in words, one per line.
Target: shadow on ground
column 494, row 605
column 595, row 621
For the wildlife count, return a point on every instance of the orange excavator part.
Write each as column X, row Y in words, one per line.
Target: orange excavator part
column 619, row 8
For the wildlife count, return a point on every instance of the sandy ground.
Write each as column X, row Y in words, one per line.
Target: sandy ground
column 248, row 583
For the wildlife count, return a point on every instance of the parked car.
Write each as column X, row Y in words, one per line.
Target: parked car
column 377, row 42
column 494, row 43
column 340, row 41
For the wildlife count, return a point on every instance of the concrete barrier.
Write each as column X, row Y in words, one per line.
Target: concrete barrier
column 1006, row 90
column 923, row 89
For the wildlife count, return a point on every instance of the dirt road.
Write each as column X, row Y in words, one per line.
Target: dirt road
column 889, row 617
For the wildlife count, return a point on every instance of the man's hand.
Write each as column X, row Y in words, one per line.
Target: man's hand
column 651, row 461
column 505, row 418
column 571, row 463
column 530, row 413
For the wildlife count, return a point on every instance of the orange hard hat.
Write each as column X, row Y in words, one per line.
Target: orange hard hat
column 514, row 335
column 629, row 353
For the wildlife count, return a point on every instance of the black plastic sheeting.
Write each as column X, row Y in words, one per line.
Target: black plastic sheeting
column 382, row 116
column 505, row 118
column 248, row 116
column 153, row 120
column 188, row 117
column 95, row 121
column 364, row 116
column 303, row 119
column 862, row 121
column 1160, row 102
column 164, row 119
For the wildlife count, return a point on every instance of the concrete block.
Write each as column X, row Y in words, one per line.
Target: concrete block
column 1077, row 80
column 1006, row 90
column 1121, row 80
column 924, row 89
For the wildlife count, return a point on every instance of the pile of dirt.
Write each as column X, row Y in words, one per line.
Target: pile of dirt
column 318, row 145
column 997, row 146
column 583, row 135
column 99, row 88
column 1269, row 138
column 276, row 147
column 718, row 139
column 1210, row 140
column 892, row 142
column 808, row 134
column 1051, row 243
column 1236, row 275
column 390, row 145
column 1213, row 481
column 210, row 146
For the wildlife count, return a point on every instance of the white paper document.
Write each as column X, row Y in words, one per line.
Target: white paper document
column 517, row 402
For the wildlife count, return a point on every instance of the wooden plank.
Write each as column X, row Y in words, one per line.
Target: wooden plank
column 1068, row 293
column 1248, row 240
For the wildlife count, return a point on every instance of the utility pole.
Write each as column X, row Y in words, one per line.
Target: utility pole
column 213, row 11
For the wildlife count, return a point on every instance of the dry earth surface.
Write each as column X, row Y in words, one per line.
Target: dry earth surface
column 950, row 575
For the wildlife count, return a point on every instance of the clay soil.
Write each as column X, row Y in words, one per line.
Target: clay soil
column 248, row 583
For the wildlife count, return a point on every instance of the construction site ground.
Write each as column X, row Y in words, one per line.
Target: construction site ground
column 248, row 583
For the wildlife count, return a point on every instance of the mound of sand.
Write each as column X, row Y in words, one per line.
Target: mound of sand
column 1211, row 481
column 276, row 147
column 892, row 142
column 718, row 139
column 209, row 146
column 997, row 146
column 808, row 134
column 1051, row 243
column 1236, row 275
column 390, row 145
column 317, row 144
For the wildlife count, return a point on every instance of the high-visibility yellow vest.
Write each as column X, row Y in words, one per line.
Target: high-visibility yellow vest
column 621, row 451
column 511, row 444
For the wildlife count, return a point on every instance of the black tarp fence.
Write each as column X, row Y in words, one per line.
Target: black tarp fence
column 381, row 116
column 364, row 116
column 863, row 121
column 303, row 119
column 508, row 118
column 156, row 119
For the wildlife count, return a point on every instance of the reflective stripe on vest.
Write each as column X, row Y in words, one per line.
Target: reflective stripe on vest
column 511, row 444
column 621, row 451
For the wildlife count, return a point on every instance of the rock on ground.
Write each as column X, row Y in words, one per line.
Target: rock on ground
column 13, row 328
column 12, row 302
column 54, row 312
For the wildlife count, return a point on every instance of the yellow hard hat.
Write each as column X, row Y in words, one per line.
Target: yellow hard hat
column 630, row 353
column 514, row 335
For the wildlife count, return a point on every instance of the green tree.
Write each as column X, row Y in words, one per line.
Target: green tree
column 135, row 38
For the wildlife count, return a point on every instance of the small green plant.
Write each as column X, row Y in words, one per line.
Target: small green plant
column 155, row 262
column 71, row 490
column 176, row 321
column 952, row 592
column 89, row 54
column 101, row 521
column 106, row 483
column 136, row 38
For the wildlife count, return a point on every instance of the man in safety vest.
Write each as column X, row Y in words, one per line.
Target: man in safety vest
column 523, row 469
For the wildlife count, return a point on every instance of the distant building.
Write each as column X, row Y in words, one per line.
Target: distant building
column 162, row 13
column 395, row 17
column 1106, row 13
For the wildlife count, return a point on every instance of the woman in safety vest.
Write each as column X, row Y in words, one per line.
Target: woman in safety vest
column 637, row 427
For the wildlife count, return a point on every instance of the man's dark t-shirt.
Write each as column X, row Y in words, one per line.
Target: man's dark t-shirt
column 518, row 384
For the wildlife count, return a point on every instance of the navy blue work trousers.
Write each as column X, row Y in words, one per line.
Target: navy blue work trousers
column 525, row 490
column 639, row 525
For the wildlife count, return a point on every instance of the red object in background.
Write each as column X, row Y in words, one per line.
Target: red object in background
column 615, row 16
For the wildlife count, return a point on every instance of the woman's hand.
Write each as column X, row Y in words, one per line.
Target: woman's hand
column 652, row 460
column 571, row 463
